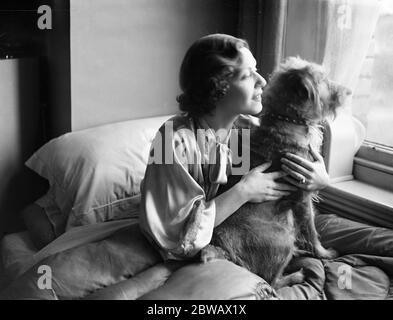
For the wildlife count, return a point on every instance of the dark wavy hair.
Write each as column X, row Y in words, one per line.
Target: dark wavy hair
column 205, row 72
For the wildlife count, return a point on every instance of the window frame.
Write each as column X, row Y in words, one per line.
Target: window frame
column 373, row 164
column 361, row 185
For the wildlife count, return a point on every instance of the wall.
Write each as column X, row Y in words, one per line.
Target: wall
column 55, row 70
column 125, row 55
column 103, row 61
column 20, row 111
column 19, row 137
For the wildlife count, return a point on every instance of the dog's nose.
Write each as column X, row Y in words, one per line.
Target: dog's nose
column 346, row 91
column 340, row 89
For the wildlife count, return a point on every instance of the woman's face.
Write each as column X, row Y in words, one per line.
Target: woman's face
column 245, row 90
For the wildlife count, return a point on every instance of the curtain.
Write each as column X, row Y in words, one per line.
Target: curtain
column 349, row 30
column 336, row 33
column 350, row 26
column 263, row 23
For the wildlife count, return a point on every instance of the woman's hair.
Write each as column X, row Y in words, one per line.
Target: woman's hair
column 205, row 72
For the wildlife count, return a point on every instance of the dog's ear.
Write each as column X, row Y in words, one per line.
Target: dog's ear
column 293, row 90
column 302, row 86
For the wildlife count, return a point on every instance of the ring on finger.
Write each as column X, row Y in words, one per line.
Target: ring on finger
column 303, row 180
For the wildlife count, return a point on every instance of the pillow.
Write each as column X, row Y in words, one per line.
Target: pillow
column 214, row 280
column 95, row 174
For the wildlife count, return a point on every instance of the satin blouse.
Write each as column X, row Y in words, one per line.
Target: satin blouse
column 187, row 164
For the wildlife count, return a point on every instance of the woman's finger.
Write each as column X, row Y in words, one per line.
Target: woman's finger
column 277, row 193
column 296, row 183
column 295, row 167
column 284, row 187
column 299, row 160
column 299, row 177
column 314, row 152
column 263, row 167
column 271, row 198
column 277, row 175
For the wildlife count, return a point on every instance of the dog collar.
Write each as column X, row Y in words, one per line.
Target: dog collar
column 286, row 119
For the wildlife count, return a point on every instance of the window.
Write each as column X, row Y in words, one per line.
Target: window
column 363, row 184
column 373, row 104
column 373, row 96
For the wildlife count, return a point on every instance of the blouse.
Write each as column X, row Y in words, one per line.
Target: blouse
column 187, row 164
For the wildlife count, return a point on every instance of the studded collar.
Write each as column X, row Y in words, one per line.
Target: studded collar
column 280, row 117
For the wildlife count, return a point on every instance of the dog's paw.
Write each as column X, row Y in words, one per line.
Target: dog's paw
column 290, row 279
column 297, row 277
column 211, row 252
column 302, row 253
column 323, row 253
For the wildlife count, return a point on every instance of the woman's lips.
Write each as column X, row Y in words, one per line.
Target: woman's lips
column 258, row 97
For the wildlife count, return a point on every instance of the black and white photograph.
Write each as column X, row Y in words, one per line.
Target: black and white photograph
column 202, row 152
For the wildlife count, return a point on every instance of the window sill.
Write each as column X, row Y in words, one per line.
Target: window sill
column 358, row 201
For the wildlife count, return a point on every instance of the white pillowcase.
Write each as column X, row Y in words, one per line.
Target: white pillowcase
column 95, row 174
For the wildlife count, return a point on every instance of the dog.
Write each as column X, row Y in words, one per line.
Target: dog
column 263, row 237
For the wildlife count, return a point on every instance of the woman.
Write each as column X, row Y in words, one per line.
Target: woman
column 190, row 156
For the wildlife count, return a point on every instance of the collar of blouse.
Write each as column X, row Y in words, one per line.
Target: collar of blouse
column 217, row 153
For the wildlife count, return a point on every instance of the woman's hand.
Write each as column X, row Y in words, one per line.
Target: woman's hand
column 307, row 175
column 259, row 186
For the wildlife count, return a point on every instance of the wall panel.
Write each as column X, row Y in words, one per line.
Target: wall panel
column 125, row 55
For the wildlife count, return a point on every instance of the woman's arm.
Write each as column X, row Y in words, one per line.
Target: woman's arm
column 228, row 202
column 255, row 186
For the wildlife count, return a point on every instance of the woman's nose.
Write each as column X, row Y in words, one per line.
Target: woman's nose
column 260, row 80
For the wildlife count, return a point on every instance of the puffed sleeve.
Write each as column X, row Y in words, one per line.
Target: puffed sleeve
column 174, row 212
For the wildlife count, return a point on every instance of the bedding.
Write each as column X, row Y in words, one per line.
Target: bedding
column 129, row 268
column 17, row 249
column 94, row 174
column 19, row 254
column 363, row 271
column 76, row 272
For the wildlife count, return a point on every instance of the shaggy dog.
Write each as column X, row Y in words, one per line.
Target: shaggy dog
column 263, row 237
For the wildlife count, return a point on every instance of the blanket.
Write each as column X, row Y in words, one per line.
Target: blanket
column 125, row 266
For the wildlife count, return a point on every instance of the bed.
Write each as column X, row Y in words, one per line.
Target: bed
column 100, row 253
